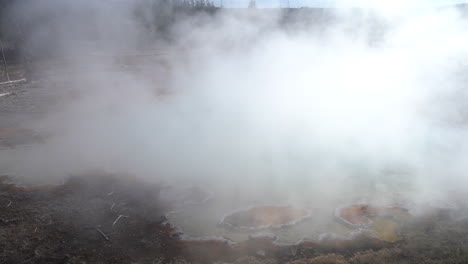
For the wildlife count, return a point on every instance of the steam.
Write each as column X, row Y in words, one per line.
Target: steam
column 361, row 104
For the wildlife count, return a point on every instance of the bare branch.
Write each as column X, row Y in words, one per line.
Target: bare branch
column 102, row 233
column 118, row 218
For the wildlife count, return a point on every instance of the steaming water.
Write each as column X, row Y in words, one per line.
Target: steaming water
column 201, row 221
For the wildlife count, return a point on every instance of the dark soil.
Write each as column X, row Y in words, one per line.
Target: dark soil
column 89, row 219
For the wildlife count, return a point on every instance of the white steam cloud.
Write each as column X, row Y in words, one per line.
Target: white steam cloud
column 368, row 104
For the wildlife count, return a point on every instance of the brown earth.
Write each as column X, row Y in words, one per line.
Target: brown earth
column 78, row 222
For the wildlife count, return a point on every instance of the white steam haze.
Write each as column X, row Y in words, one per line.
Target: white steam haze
column 339, row 3
column 369, row 104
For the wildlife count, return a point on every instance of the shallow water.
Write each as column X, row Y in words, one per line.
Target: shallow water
column 203, row 220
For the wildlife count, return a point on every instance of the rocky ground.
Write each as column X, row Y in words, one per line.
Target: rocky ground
column 95, row 219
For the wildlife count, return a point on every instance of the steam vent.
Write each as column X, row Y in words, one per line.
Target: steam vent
column 262, row 217
column 378, row 221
